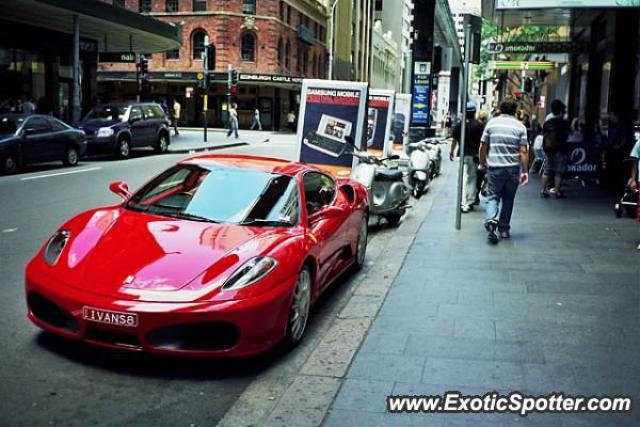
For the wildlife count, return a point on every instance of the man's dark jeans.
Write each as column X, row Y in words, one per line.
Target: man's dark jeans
column 503, row 184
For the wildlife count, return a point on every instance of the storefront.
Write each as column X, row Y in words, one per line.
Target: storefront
column 41, row 40
column 274, row 95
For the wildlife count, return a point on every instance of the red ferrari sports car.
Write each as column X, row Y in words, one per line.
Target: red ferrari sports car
column 217, row 256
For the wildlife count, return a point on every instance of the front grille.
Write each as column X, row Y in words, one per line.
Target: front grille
column 50, row 313
column 202, row 336
column 113, row 338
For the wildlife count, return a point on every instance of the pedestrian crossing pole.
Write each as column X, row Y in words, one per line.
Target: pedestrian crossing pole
column 205, row 85
column 463, row 128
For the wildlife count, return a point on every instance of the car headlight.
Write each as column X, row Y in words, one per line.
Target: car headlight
column 250, row 272
column 55, row 245
column 105, row 132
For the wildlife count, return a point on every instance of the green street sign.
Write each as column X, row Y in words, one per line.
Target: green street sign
column 522, row 65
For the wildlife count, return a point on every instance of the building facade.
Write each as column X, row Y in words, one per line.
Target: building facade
column 384, row 60
column 397, row 16
column 272, row 43
column 351, row 38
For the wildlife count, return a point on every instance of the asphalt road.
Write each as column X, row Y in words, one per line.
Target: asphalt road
column 45, row 380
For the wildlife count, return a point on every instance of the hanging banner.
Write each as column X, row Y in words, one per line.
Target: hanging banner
column 402, row 111
column 379, row 119
column 330, row 111
column 584, row 159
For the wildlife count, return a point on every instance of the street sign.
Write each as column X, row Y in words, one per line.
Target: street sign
column 534, row 47
column 421, row 94
column 121, row 57
column 522, row 65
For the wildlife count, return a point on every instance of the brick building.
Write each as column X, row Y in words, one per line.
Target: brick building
column 273, row 43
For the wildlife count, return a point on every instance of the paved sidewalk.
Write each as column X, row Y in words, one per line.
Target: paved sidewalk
column 192, row 139
column 555, row 309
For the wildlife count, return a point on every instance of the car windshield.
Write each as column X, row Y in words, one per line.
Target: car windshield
column 108, row 113
column 219, row 194
column 9, row 125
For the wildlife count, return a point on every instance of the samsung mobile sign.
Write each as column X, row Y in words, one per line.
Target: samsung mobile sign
column 552, row 4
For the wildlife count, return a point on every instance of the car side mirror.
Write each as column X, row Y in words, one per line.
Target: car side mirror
column 132, row 120
column 120, row 188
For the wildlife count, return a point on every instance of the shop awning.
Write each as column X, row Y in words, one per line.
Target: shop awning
column 116, row 29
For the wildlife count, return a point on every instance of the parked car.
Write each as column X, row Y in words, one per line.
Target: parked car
column 118, row 128
column 38, row 138
column 189, row 265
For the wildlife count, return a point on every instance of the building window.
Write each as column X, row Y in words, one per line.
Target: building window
column 172, row 54
column 289, row 15
column 280, row 52
column 144, row 6
column 171, row 6
column 197, row 44
column 287, row 55
column 249, row 7
column 199, row 5
column 378, row 5
column 248, row 47
column 314, row 65
column 283, row 5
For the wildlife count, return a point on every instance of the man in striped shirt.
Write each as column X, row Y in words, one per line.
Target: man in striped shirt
column 503, row 152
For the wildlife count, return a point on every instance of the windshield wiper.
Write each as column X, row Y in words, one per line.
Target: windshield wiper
column 184, row 215
column 265, row 222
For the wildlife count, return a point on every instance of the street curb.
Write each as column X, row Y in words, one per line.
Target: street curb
column 207, row 148
column 305, row 397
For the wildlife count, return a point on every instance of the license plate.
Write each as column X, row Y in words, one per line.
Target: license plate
column 109, row 317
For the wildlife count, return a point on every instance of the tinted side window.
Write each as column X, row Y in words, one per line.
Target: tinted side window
column 159, row 112
column 319, row 190
column 149, row 114
column 38, row 124
column 56, row 125
column 136, row 113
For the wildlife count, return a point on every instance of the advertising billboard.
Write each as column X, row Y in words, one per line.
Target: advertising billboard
column 331, row 111
column 421, row 94
column 400, row 126
column 552, row 4
column 379, row 120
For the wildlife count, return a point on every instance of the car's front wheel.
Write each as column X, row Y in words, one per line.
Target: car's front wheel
column 300, row 308
column 9, row 163
column 123, row 148
column 71, row 157
column 361, row 245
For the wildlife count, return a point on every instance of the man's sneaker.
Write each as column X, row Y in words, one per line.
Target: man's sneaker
column 465, row 209
column 504, row 234
column 491, row 228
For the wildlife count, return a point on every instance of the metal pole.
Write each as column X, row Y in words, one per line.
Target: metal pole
column 205, row 80
column 332, row 38
column 463, row 129
column 75, row 100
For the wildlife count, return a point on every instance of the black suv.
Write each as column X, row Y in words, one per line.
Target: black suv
column 118, row 128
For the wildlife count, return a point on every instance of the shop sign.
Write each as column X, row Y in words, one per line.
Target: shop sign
column 117, row 57
column 331, row 111
column 379, row 121
column 533, row 47
column 270, row 78
column 584, row 159
column 554, row 4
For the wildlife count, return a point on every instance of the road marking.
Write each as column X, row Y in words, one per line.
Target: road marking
column 9, row 230
column 48, row 175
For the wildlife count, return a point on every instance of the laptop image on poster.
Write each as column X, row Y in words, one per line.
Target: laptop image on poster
column 330, row 136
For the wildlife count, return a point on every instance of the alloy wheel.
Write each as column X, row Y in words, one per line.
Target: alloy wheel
column 361, row 249
column 300, row 306
column 123, row 149
column 9, row 164
column 163, row 144
column 72, row 157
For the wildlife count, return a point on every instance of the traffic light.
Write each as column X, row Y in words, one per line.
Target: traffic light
column 210, row 55
column 143, row 65
column 235, row 76
column 528, row 85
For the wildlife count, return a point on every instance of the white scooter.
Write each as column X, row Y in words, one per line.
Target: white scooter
column 420, row 167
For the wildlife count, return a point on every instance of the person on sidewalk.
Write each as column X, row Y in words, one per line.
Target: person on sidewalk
column 504, row 154
column 635, row 173
column 473, row 133
column 291, row 121
column 233, row 120
column 555, row 134
column 256, row 120
column 176, row 116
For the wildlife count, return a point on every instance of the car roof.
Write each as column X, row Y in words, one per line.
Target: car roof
column 257, row 163
column 125, row 104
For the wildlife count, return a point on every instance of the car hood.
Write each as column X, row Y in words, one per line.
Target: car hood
column 131, row 255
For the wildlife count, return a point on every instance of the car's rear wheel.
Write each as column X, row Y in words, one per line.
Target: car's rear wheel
column 9, row 163
column 300, row 308
column 123, row 148
column 71, row 157
column 361, row 245
column 163, row 143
